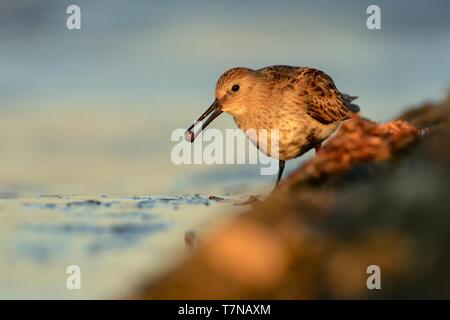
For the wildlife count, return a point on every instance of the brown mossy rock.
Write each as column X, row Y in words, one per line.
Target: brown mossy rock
column 374, row 195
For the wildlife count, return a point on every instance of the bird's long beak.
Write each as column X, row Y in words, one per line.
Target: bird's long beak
column 213, row 111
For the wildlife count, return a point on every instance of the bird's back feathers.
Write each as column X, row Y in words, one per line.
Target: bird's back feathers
column 315, row 90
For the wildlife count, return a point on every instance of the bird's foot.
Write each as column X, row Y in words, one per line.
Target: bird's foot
column 251, row 200
column 318, row 147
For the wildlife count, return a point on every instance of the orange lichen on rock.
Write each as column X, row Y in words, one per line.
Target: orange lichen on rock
column 358, row 141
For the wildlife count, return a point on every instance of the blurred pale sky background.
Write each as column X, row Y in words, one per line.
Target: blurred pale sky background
column 91, row 111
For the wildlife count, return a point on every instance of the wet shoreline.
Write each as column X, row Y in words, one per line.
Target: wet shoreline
column 116, row 240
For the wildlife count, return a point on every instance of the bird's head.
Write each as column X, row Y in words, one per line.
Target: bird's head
column 235, row 89
column 235, row 94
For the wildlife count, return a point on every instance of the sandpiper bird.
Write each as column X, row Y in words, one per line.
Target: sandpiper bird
column 302, row 103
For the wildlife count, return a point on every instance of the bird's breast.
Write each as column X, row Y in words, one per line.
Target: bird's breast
column 288, row 137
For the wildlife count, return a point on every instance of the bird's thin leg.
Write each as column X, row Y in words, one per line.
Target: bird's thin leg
column 280, row 170
column 317, row 147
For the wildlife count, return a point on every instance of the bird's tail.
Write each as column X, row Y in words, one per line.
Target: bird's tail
column 348, row 101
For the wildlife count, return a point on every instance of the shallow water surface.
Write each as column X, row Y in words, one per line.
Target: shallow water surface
column 117, row 241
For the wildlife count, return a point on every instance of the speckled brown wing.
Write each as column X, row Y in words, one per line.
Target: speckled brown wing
column 322, row 101
column 280, row 72
column 315, row 91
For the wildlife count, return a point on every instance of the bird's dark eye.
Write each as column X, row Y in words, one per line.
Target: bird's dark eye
column 235, row 88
